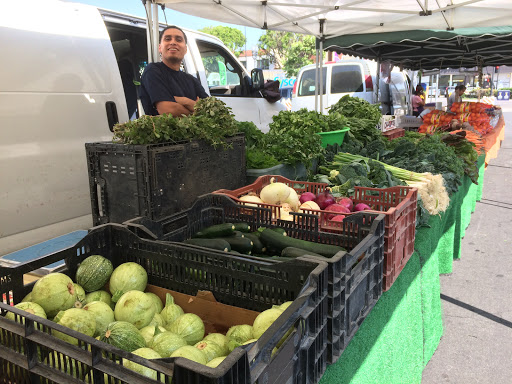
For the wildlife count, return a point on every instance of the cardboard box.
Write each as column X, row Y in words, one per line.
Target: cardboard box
column 217, row 317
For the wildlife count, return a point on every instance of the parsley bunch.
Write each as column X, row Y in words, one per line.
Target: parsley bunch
column 211, row 121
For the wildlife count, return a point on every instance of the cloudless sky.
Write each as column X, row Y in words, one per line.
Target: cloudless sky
column 135, row 8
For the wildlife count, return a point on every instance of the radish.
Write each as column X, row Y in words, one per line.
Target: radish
column 307, row 196
column 347, row 202
column 335, row 208
column 361, row 207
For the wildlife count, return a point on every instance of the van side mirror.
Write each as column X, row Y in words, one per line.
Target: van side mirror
column 258, row 81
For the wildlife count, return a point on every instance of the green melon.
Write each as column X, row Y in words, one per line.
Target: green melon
column 191, row 353
column 94, row 272
column 103, row 314
column 78, row 320
column 124, row 335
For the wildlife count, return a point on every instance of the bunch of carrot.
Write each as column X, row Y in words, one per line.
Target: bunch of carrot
column 472, row 137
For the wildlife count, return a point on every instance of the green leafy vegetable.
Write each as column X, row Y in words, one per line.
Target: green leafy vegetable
column 212, row 121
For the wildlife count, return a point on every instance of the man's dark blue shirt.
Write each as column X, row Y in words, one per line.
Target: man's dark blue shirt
column 161, row 83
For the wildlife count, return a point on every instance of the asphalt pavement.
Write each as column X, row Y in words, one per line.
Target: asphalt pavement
column 476, row 346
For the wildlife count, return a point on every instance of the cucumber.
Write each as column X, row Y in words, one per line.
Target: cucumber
column 257, row 245
column 242, row 227
column 218, row 230
column 297, row 252
column 279, row 242
column 240, row 244
column 219, row 244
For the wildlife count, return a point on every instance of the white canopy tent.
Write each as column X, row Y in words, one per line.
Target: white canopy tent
column 326, row 19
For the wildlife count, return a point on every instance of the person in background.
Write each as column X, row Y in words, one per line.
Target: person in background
column 456, row 96
column 417, row 102
column 164, row 87
column 420, row 91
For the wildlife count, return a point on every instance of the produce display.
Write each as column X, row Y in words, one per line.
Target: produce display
column 138, row 323
column 472, row 115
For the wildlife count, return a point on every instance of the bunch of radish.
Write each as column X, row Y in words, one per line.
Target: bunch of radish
column 325, row 201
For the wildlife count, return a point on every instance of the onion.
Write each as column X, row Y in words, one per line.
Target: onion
column 251, row 198
column 307, row 196
column 347, row 202
column 324, row 199
column 309, row 205
column 361, row 207
column 275, row 193
column 338, row 218
column 336, row 208
column 293, row 200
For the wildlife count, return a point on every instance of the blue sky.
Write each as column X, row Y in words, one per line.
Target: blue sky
column 135, row 7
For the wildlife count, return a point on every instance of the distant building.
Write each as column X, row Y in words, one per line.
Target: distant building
column 255, row 59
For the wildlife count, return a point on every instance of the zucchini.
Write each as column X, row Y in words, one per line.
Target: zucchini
column 242, row 227
column 281, row 231
column 238, row 234
column 240, row 244
column 297, row 252
column 219, row 244
column 218, row 230
column 276, row 241
column 257, row 245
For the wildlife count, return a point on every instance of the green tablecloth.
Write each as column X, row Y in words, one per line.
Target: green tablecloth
column 402, row 332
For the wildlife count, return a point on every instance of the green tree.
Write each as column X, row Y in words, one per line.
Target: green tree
column 288, row 51
column 233, row 38
column 299, row 54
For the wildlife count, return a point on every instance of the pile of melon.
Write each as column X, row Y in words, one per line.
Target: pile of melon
column 133, row 320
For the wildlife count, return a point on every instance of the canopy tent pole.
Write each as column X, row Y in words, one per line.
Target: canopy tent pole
column 438, row 89
column 321, row 91
column 316, row 81
column 320, row 74
column 149, row 30
column 480, row 78
column 156, row 33
column 377, row 98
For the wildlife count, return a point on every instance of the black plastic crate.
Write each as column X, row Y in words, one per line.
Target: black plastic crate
column 355, row 277
column 157, row 180
column 243, row 281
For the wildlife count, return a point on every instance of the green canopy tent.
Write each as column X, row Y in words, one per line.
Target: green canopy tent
column 430, row 48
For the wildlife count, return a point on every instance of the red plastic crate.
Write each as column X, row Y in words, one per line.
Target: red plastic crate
column 398, row 204
column 394, row 133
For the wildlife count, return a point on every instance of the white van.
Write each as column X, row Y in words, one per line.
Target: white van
column 69, row 73
column 354, row 77
column 351, row 77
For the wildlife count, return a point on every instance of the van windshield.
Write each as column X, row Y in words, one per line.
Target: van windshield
column 307, row 82
column 346, row 78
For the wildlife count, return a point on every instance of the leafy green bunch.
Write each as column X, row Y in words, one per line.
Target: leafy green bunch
column 466, row 151
column 344, row 178
column 355, row 107
column 256, row 156
column 292, row 137
column 211, row 121
column 428, row 154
